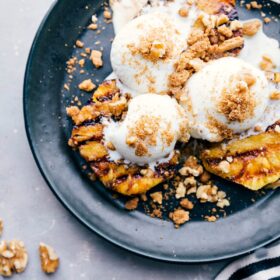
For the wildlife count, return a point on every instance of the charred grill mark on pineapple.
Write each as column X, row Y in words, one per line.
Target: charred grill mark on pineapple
column 87, row 137
column 252, row 162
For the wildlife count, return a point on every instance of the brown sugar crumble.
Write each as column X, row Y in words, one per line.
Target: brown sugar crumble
column 96, row 58
column 87, row 85
column 79, row 44
column 132, row 204
column 49, row 258
column 179, row 217
column 237, row 103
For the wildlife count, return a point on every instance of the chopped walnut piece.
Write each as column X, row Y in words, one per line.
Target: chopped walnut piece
column 179, row 216
column 93, row 26
column 226, row 31
column 132, row 204
column 224, row 166
column 267, row 20
column 96, row 58
column 197, row 64
column 267, row 64
column 187, row 204
column 211, row 218
column 49, row 259
column 13, row 257
column 236, row 25
column 183, row 12
column 276, row 78
column 180, row 191
column 255, row 5
column 157, row 197
column 205, row 177
column 275, row 95
column 230, row 44
column 223, row 203
column 251, row 27
column 1, row 227
column 222, row 19
column 79, row 44
column 87, row 85
column 82, row 62
column 107, row 14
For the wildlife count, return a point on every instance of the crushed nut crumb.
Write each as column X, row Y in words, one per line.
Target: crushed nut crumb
column 49, row 259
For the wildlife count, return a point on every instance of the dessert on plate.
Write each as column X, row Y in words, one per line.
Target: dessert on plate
column 184, row 72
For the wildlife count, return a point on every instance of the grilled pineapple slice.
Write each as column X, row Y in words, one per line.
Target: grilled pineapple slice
column 252, row 162
column 87, row 136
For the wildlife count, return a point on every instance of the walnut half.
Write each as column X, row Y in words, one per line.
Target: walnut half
column 13, row 257
column 49, row 259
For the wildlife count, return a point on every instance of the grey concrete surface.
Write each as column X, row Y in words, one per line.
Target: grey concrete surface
column 29, row 209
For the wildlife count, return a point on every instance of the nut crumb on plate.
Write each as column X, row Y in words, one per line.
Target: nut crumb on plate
column 132, row 203
column 49, row 259
column 79, row 44
column 96, row 58
column 157, row 197
column 87, row 85
column 179, row 217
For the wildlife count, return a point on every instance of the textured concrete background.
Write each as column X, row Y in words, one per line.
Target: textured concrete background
column 29, row 209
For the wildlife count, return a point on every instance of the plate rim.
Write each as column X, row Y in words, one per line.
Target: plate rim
column 93, row 228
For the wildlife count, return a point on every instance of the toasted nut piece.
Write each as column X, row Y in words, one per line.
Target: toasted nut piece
column 223, row 203
column 267, row 20
column 226, row 31
column 275, row 95
column 183, row 12
column 96, row 58
column 132, row 203
column 79, row 44
column 222, row 19
column 187, row 204
column 249, row 78
column 179, row 216
column 49, row 259
column 87, row 85
column 13, row 257
column 224, row 166
column 230, row 44
column 276, row 78
column 255, row 5
column 235, row 25
column 157, row 197
column 211, row 218
column 251, row 27
column 107, row 14
column 267, row 64
column 181, row 190
column 93, row 26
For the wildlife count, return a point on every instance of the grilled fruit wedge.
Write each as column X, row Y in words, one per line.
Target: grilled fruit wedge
column 87, row 138
column 253, row 162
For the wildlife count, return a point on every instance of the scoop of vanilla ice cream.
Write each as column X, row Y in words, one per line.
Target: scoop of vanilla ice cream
column 150, row 130
column 228, row 96
column 145, row 50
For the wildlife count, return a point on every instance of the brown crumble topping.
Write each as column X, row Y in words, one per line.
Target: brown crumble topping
column 183, row 12
column 132, row 204
column 250, row 28
column 87, row 85
column 66, row 87
column 237, row 103
column 275, row 95
column 49, row 259
column 93, row 26
column 255, row 5
column 186, row 204
column 211, row 218
column 111, row 146
column 217, row 127
column 96, row 58
column 267, row 64
column 179, row 217
column 79, row 44
column 107, row 14
column 157, row 197
column 267, row 20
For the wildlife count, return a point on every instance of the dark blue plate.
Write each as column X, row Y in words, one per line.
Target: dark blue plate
column 248, row 226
